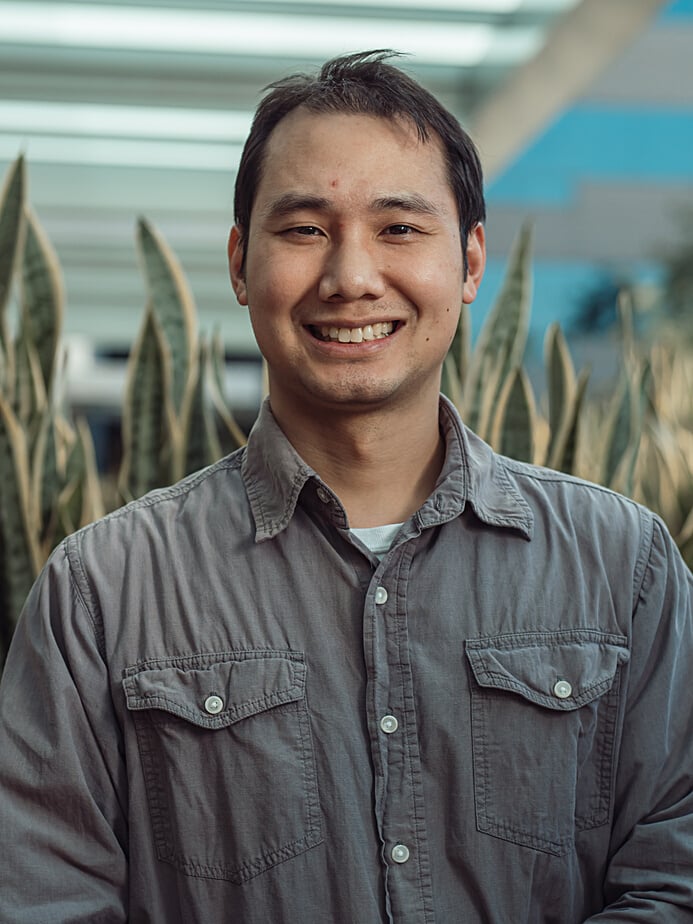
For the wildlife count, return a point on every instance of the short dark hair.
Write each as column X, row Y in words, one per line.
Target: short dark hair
column 364, row 84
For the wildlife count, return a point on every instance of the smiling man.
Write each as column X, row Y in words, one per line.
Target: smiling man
column 363, row 670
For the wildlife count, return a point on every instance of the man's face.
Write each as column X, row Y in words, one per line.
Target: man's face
column 354, row 268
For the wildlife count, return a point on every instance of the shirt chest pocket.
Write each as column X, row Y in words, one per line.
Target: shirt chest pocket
column 544, row 711
column 227, row 759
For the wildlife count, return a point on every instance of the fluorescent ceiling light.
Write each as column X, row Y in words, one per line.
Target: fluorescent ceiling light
column 118, row 152
column 432, row 6
column 211, row 32
column 18, row 116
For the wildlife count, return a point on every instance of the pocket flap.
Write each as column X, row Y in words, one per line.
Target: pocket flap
column 214, row 691
column 560, row 670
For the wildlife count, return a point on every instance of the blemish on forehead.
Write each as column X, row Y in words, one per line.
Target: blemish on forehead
column 334, row 183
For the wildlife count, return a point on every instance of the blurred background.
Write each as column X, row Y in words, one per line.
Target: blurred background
column 582, row 110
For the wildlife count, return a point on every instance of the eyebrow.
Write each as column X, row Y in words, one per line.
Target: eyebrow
column 296, row 202
column 409, row 202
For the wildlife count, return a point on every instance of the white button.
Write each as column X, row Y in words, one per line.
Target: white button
column 562, row 689
column 389, row 724
column 323, row 495
column 381, row 595
column 400, row 853
column 214, row 704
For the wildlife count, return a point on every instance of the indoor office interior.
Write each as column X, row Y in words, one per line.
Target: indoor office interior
column 582, row 110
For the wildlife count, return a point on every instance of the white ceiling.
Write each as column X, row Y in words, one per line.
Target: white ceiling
column 140, row 108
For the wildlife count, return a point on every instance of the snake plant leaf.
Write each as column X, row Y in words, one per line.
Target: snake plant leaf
column 48, row 477
column 501, row 343
column 451, row 384
column 42, row 297
column 200, row 440
column 666, row 457
column 30, row 399
column 641, row 400
column 514, row 425
column 684, row 540
column 149, row 426
column 563, row 454
column 81, row 465
column 67, row 506
column 456, row 364
column 173, row 305
column 619, row 437
column 460, row 349
column 234, row 436
column 11, row 237
column 560, row 376
column 19, row 553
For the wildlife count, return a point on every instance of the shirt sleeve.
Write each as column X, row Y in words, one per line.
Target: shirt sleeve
column 62, row 777
column 650, row 873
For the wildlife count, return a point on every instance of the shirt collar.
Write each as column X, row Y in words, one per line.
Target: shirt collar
column 274, row 475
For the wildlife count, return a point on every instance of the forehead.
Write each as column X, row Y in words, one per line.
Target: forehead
column 347, row 149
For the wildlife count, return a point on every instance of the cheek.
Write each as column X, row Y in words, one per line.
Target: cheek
column 276, row 282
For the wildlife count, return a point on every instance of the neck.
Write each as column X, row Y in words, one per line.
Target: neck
column 381, row 465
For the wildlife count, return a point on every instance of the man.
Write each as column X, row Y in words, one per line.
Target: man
column 364, row 670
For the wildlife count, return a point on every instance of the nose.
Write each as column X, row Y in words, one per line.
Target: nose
column 350, row 272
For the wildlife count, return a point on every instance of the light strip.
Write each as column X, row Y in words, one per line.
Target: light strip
column 480, row 7
column 20, row 116
column 432, row 6
column 118, row 152
column 176, row 30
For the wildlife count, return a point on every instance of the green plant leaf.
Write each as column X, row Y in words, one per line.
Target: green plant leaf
column 560, row 376
column 149, row 427
column 501, row 343
column 42, row 298
column 564, row 451
column 30, row 399
column 200, row 441
column 514, row 423
column 11, row 243
column 19, row 553
column 235, row 436
column 174, row 307
column 47, row 478
column 81, row 464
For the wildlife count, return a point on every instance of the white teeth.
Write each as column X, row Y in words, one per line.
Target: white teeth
column 357, row 334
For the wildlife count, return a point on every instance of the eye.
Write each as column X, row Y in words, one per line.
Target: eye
column 400, row 230
column 305, row 230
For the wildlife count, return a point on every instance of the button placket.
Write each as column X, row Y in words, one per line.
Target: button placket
column 398, row 789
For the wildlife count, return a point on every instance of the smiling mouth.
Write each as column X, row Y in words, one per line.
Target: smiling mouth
column 376, row 331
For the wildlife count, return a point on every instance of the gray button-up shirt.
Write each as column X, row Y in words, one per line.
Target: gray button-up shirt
column 221, row 707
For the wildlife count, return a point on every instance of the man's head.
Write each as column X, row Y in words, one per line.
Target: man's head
column 364, row 84
column 358, row 237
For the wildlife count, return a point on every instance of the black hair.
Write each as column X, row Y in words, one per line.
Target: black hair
column 365, row 84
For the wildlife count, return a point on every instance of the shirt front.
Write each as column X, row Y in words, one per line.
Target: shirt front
column 221, row 707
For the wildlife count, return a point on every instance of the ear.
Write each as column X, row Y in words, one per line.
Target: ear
column 236, row 251
column 476, row 262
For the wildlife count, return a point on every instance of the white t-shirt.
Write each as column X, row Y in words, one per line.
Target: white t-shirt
column 377, row 538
